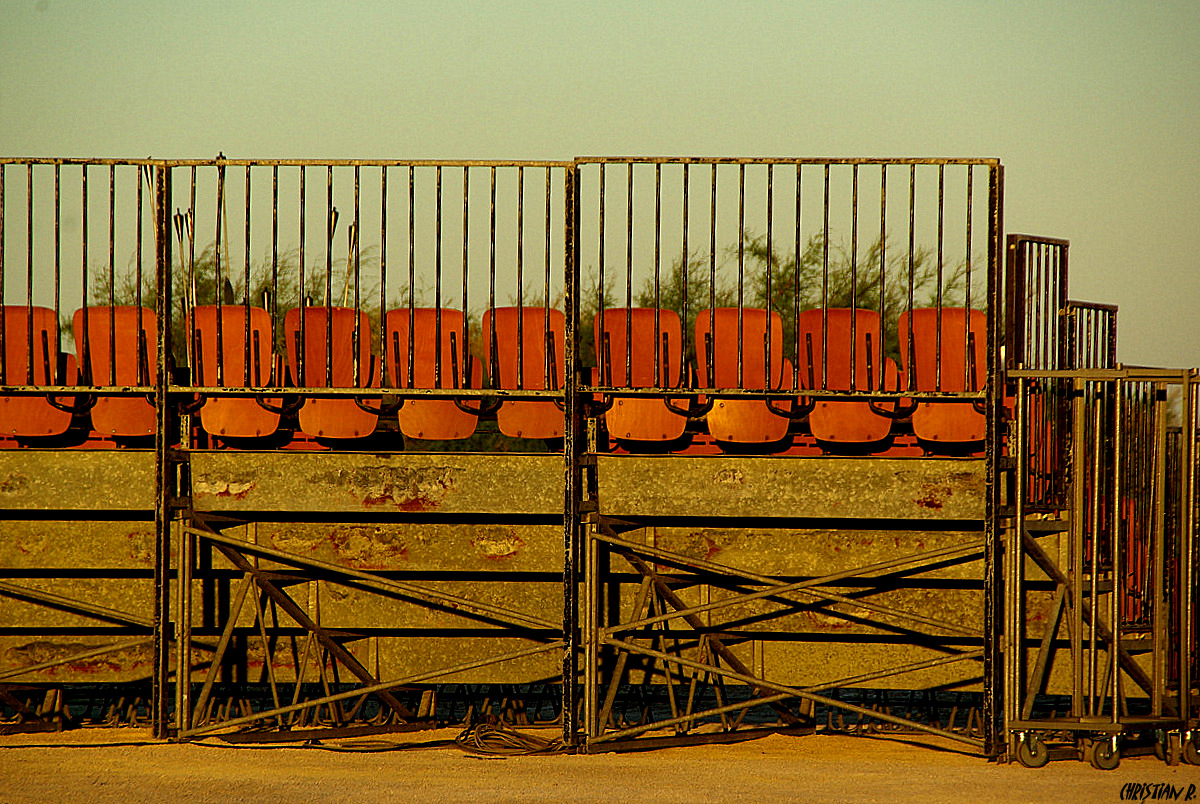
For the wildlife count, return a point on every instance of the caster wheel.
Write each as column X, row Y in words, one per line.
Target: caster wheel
column 1161, row 748
column 1032, row 752
column 1191, row 750
column 1102, row 755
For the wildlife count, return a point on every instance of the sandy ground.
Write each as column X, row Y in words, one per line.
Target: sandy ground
column 123, row 765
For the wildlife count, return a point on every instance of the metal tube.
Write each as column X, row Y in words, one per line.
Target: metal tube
column 825, row 284
column 331, row 218
column 1114, row 611
column 246, row 293
column 796, row 279
column 437, row 281
column 741, row 258
column 658, row 368
column 412, row 269
column 853, row 283
column 771, row 382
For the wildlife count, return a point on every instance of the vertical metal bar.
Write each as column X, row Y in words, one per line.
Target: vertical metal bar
column 1187, row 554
column 769, row 304
column 572, row 464
column 552, row 381
column 941, row 239
column 276, row 324
column 218, row 286
column 658, row 369
column 605, row 370
column 741, row 259
column 1079, row 474
column 29, row 338
column 521, row 282
column 383, row 308
column 825, row 283
column 686, row 259
column 1158, row 590
column 796, row 277
column 1098, row 490
column 412, row 271
column 465, row 341
column 165, row 476
column 853, row 282
column 884, row 324
column 359, row 380
column 246, row 288
column 85, row 353
column 1116, row 552
column 437, row 280
column 495, row 368
column 710, row 361
column 302, row 348
column 1014, row 564
column 910, row 346
column 57, row 261
column 3, row 314
column 992, row 589
column 970, row 361
column 628, row 265
column 112, row 275
column 137, row 259
column 331, row 220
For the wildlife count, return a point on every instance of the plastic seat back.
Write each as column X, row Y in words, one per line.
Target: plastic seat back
column 518, row 343
column 326, row 359
column 720, row 342
column 439, row 348
column 633, row 351
column 31, row 358
column 117, row 346
column 220, row 357
column 839, row 350
column 954, row 339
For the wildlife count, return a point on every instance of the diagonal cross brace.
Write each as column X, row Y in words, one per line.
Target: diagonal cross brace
column 289, row 606
column 1052, row 569
column 695, row 622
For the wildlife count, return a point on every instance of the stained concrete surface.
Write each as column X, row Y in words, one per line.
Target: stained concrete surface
column 125, row 765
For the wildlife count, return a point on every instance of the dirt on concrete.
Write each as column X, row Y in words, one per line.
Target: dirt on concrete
column 126, row 765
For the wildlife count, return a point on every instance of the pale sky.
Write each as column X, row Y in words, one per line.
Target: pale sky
column 1093, row 108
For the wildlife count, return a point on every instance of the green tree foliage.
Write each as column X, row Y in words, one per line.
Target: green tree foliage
column 880, row 278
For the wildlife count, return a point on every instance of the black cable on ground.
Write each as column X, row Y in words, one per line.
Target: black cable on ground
column 500, row 739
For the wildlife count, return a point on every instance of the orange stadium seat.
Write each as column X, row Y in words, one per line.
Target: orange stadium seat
column 329, row 362
column 117, row 346
column 748, row 421
column 825, row 364
column 627, row 348
column 31, row 358
column 234, row 417
column 960, row 330
column 515, row 342
column 418, row 331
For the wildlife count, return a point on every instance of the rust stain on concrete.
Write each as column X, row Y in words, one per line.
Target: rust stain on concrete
column 222, row 488
column 14, row 483
column 498, row 544
column 934, row 497
column 118, row 661
column 404, row 488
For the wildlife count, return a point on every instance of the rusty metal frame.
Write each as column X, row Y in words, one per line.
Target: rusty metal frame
column 658, row 613
column 200, row 534
column 1125, row 577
